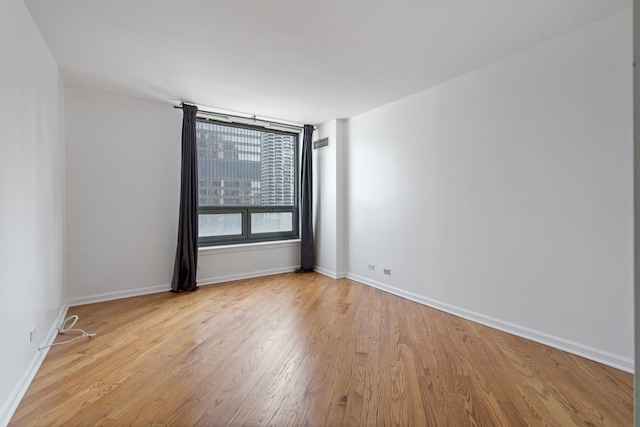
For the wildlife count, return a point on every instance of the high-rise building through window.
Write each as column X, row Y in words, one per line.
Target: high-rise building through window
column 246, row 183
column 277, row 166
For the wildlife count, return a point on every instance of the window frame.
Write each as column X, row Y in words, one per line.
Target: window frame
column 247, row 236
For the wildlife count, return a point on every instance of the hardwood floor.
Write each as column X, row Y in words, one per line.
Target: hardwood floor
column 308, row 350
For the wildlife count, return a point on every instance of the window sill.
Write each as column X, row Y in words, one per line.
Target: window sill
column 245, row 247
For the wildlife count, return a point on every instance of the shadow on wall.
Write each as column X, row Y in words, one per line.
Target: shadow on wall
column 317, row 202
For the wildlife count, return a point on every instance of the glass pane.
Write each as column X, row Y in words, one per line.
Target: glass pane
column 271, row 222
column 219, row 225
column 244, row 167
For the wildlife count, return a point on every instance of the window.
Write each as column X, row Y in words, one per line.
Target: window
column 247, row 183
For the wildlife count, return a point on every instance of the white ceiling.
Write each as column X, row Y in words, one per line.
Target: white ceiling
column 298, row 60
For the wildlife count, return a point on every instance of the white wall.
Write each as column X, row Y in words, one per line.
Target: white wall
column 32, row 195
column 123, row 183
column 636, row 144
column 505, row 195
column 234, row 262
column 329, row 202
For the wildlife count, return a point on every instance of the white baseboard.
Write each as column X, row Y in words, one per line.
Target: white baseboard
column 108, row 296
column 13, row 400
column 329, row 273
column 597, row 355
column 242, row 276
column 326, row 272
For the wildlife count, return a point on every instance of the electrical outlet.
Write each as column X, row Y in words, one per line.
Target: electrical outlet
column 387, row 271
column 372, row 267
column 32, row 334
column 198, row 269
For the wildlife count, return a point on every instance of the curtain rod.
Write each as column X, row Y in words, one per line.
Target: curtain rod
column 254, row 118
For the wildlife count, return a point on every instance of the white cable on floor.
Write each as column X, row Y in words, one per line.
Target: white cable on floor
column 65, row 328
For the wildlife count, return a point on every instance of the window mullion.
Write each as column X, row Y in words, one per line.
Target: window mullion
column 246, row 223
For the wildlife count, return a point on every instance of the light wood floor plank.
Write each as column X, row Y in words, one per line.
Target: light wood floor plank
column 307, row 350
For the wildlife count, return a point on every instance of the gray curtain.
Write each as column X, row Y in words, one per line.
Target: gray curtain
column 307, row 246
column 186, row 262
